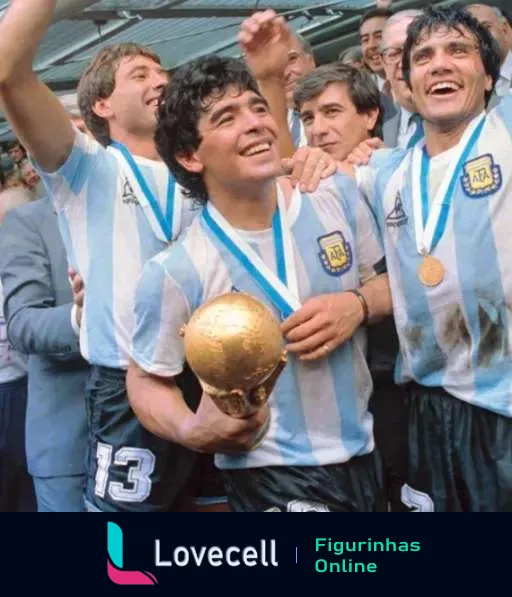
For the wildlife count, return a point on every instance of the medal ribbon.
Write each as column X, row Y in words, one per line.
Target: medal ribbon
column 282, row 289
column 295, row 128
column 166, row 227
column 430, row 221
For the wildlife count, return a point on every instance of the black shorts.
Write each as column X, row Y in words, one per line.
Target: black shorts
column 128, row 468
column 206, row 487
column 387, row 406
column 16, row 486
column 460, row 455
column 354, row 486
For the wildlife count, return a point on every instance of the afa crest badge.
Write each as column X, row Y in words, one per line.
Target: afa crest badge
column 335, row 253
column 481, row 177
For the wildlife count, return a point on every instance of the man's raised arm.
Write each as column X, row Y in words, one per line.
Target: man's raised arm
column 265, row 40
column 34, row 113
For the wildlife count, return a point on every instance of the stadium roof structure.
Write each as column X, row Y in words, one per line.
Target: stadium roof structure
column 180, row 30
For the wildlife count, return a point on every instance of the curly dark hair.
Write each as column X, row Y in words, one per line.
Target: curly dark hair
column 455, row 18
column 184, row 101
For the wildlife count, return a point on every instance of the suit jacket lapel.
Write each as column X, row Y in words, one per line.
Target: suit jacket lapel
column 391, row 123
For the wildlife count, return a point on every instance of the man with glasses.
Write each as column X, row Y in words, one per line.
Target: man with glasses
column 402, row 126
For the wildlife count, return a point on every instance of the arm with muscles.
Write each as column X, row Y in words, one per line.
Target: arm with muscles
column 160, row 407
column 158, row 357
column 34, row 113
column 34, row 324
column 325, row 322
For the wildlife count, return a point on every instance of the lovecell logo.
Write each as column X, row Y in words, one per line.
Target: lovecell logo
column 116, row 573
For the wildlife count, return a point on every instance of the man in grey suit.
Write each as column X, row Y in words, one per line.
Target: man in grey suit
column 390, row 121
column 38, row 311
column 16, row 487
column 401, row 127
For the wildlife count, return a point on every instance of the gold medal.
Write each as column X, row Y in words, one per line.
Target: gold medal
column 431, row 271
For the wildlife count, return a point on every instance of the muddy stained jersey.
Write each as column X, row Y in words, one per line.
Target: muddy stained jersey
column 457, row 334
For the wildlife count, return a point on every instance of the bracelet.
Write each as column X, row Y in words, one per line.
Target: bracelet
column 364, row 305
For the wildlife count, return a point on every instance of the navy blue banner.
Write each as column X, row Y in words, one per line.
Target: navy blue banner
column 235, row 554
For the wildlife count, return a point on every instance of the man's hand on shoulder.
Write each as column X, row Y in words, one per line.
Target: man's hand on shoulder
column 308, row 167
column 361, row 155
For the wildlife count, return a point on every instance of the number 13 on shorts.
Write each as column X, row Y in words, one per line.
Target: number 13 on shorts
column 139, row 464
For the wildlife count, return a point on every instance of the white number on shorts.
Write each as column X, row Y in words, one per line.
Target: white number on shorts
column 139, row 474
column 306, row 506
column 104, row 457
column 419, row 501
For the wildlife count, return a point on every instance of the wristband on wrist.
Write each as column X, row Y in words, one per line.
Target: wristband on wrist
column 364, row 305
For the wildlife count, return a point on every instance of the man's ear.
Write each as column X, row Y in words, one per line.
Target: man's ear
column 190, row 162
column 371, row 118
column 488, row 83
column 102, row 108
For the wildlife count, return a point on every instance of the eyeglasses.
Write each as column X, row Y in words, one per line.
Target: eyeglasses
column 391, row 56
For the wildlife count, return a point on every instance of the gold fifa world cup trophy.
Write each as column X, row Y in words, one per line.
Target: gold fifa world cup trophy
column 235, row 347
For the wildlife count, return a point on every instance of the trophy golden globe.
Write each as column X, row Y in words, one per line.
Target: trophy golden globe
column 235, row 347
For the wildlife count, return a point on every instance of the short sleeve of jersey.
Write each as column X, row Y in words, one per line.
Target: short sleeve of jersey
column 370, row 252
column 365, row 175
column 369, row 249
column 161, row 310
column 503, row 111
column 373, row 179
column 69, row 181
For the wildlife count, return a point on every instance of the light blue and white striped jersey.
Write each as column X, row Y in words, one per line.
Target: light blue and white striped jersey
column 365, row 175
column 108, row 239
column 319, row 409
column 297, row 131
column 458, row 334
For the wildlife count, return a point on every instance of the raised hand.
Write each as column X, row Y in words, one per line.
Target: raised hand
column 265, row 40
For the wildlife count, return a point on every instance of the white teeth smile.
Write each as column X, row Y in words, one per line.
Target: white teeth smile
column 447, row 86
column 257, row 149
